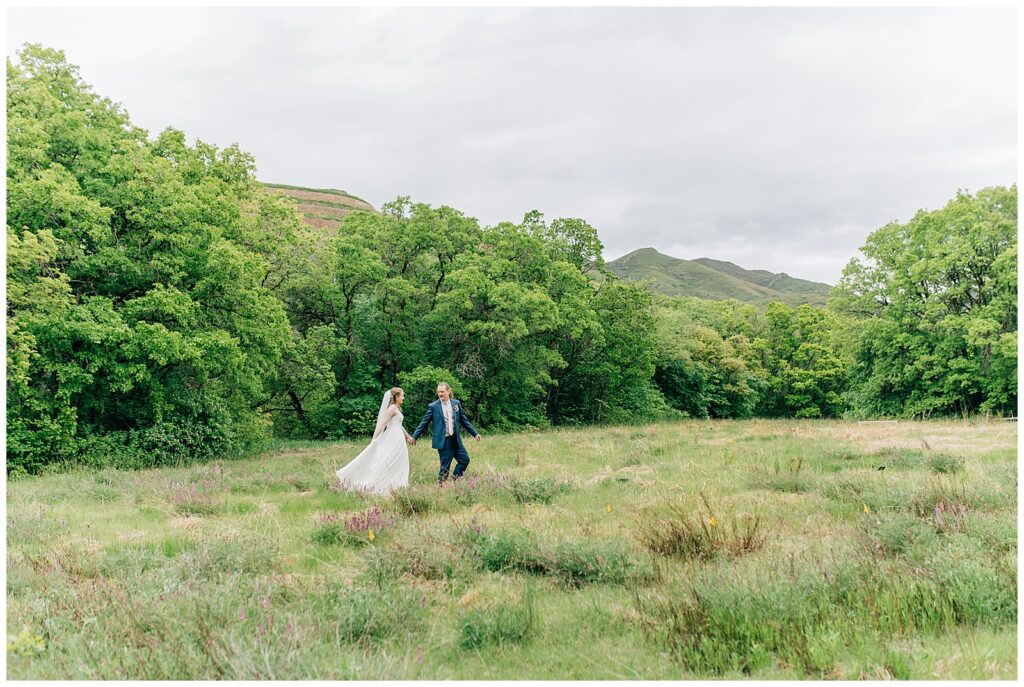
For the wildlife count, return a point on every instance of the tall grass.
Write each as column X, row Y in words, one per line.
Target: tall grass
column 810, row 618
column 504, row 624
column 573, row 563
column 688, row 550
column 671, row 530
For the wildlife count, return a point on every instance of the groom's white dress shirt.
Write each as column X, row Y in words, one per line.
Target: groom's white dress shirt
column 449, row 425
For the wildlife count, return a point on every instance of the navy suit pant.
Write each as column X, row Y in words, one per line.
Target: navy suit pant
column 452, row 449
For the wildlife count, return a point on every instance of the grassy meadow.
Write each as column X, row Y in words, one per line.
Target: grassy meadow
column 700, row 549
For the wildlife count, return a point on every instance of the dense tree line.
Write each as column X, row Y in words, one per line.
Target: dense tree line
column 728, row 359
column 162, row 307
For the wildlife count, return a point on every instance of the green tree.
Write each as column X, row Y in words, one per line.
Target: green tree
column 937, row 303
column 159, row 344
column 701, row 373
column 804, row 373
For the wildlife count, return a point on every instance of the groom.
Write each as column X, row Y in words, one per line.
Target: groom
column 446, row 414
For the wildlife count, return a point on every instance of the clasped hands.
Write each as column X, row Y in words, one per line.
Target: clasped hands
column 412, row 442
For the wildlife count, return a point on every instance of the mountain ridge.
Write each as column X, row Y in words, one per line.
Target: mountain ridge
column 326, row 209
column 715, row 279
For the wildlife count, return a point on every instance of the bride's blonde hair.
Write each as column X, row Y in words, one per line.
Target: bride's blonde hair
column 395, row 391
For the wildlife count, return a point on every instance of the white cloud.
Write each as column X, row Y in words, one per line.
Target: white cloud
column 773, row 138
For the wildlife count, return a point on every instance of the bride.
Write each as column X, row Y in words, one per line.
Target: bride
column 384, row 464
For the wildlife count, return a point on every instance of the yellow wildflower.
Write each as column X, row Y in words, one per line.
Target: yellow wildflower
column 609, row 508
column 371, row 535
column 26, row 643
column 713, row 522
column 866, row 509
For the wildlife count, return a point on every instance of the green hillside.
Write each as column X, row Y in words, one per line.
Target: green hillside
column 321, row 207
column 715, row 279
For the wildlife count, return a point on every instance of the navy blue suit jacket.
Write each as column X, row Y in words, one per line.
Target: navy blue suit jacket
column 436, row 415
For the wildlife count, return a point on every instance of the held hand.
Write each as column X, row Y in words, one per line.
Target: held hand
column 479, row 438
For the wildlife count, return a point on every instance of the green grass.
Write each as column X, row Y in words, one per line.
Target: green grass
column 505, row 624
column 578, row 554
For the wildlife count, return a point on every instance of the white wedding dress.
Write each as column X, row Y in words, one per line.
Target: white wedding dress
column 383, row 465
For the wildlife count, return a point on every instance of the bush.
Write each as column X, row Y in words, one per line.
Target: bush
column 420, row 385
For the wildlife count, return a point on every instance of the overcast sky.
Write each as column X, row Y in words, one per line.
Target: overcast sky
column 773, row 138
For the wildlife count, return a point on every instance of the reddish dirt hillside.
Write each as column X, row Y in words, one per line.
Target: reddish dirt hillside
column 321, row 207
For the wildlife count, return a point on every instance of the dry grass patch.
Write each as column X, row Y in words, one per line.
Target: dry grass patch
column 672, row 530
